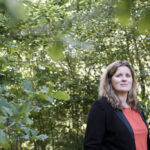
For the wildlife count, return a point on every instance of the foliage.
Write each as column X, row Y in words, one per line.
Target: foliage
column 52, row 55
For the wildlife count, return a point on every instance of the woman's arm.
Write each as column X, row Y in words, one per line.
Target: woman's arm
column 95, row 130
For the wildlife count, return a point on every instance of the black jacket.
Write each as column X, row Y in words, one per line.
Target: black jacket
column 108, row 129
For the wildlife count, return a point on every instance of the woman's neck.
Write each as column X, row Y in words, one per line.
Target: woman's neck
column 123, row 99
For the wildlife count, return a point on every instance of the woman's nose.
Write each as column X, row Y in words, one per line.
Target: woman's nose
column 124, row 78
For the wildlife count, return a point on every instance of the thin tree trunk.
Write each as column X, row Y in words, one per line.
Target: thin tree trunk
column 78, row 5
column 141, row 69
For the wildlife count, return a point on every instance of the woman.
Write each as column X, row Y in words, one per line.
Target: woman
column 115, row 121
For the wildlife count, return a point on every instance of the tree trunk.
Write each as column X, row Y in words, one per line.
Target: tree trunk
column 141, row 69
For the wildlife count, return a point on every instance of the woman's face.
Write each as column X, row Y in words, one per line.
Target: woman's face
column 122, row 80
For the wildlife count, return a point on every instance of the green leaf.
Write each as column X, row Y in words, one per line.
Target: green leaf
column 3, row 102
column 26, row 137
column 2, row 88
column 42, row 95
column 76, row 43
column 55, row 50
column 25, row 108
column 28, row 121
column 33, row 132
column 3, row 140
column 15, row 9
column 44, row 89
column 42, row 137
column 27, row 85
column 37, row 109
column 50, row 99
column 60, row 95
column 144, row 23
column 2, row 121
column 123, row 11
column 25, row 129
column 5, row 107
column 7, row 110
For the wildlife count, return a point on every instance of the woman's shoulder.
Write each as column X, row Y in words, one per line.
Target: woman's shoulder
column 102, row 102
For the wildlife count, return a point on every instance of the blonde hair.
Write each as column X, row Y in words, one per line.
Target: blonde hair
column 106, row 89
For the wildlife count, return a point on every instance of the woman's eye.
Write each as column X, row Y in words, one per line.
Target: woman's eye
column 128, row 75
column 118, row 75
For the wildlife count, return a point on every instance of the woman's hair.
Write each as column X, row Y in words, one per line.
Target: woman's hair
column 106, row 89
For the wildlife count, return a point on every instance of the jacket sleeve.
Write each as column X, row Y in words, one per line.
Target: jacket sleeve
column 95, row 130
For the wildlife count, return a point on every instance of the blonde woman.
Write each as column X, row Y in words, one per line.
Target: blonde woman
column 115, row 121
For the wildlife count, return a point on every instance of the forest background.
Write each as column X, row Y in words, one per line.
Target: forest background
column 52, row 54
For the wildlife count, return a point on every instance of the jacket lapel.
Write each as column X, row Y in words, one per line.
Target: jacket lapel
column 122, row 117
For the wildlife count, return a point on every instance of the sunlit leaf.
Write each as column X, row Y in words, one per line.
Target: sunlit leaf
column 42, row 95
column 76, row 43
column 60, row 95
column 37, row 109
column 15, row 9
column 42, row 137
column 44, row 89
column 144, row 23
column 123, row 11
column 26, row 137
column 28, row 121
column 50, row 99
column 55, row 50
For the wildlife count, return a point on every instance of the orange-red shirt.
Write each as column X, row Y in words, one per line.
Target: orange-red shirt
column 139, row 128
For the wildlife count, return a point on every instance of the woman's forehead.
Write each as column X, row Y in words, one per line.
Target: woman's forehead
column 123, row 69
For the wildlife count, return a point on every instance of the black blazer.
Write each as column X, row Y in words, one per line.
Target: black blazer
column 108, row 128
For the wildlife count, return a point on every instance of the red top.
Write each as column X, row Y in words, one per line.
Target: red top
column 139, row 128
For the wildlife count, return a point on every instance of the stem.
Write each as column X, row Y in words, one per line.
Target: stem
column 9, row 126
